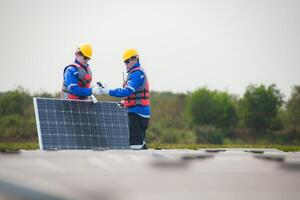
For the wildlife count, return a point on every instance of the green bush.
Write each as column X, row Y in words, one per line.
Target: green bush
column 11, row 126
column 203, row 116
column 259, row 107
column 17, row 120
column 173, row 136
column 14, row 102
column 157, row 134
column 167, row 109
column 205, row 107
column 293, row 110
column 209, row 134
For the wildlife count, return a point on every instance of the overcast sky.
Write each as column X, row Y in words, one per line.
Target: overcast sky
column 183, row 44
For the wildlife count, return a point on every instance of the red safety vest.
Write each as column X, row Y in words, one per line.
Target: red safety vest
column 84, row 81
column 142, row 95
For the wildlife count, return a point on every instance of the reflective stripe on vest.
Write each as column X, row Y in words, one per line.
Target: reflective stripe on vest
column 142, row 95
column 84, row 76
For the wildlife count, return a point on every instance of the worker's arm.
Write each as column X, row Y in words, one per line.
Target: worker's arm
column 71, row 81
column 135, row 80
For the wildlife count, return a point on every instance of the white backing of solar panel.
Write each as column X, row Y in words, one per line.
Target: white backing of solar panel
column 37, row 118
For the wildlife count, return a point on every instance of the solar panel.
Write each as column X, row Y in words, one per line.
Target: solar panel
column 76, row 124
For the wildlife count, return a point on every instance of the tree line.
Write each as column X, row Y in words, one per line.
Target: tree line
column 260, row 115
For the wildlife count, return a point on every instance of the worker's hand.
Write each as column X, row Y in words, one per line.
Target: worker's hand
column 93, row 98
column 121, row 104
column 100, row 90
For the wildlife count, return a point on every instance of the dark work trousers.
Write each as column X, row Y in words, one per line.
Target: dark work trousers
column 137, row 128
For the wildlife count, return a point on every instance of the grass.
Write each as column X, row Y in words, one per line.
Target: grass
column 199, row 146
column 19, row 145
column 34, row 146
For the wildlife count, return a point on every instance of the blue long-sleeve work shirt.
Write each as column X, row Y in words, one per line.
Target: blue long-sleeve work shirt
column 71, row 81
column 135, row 80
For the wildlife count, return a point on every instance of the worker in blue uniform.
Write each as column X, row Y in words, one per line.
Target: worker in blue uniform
column 78, row 75
column 136, row 96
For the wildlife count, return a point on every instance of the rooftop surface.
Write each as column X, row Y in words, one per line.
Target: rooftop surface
column 150, row 174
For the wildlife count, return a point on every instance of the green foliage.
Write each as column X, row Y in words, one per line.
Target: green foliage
column 209, row 134
column 167, row 109
column 259, row 107
column 280, row 121
column 14, row 102
column 214, row 146
column 203, row 116
column 35, row 145
column 19, row 145
column 205, row 107
column 167, row 124
column 17, row 120
column 157, row 134
column 293, row 109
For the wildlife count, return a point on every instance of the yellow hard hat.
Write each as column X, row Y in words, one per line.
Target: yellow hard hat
column 129, row 53
column 86, row 49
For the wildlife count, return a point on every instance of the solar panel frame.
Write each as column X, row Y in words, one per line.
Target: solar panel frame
column 78, row 124
column 37, row 120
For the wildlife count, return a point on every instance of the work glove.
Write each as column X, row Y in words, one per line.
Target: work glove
column 121, row 104
column 100, row 90
column 93, row 98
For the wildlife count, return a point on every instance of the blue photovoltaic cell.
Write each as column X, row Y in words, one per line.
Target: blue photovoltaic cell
column 73, row 124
